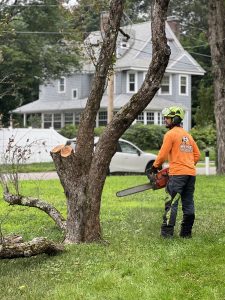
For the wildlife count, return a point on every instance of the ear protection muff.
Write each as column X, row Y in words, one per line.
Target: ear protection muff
column 176, row 120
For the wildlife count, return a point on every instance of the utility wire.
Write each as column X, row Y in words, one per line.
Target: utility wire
column 71, row 33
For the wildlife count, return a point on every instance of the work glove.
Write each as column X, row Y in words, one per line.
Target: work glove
column 153, row 170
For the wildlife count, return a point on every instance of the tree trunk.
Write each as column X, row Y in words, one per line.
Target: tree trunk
column 83, row 173
column 216, row 21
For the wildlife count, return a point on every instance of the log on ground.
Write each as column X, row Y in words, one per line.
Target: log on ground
column 37, row 246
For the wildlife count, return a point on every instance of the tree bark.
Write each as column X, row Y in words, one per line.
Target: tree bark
column 34, row 202
column 83, row 173
column 36, row 246
column 216, row 20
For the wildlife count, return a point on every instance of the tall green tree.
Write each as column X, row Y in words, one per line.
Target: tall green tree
column 216, row 20
column 37, row 42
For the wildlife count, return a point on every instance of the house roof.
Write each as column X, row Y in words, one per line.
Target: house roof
column 158, row 103
column 139, row 51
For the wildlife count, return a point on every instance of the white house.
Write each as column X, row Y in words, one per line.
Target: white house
column 61, row 101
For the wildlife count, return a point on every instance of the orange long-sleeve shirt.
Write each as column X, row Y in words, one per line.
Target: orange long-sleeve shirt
column 180, row 149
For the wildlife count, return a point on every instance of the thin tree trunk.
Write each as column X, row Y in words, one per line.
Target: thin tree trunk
column 217, row 44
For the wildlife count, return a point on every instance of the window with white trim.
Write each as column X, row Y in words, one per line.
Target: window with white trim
column 150, row 117
column 165, row 88
column 74, row 94
column 160, row 120
column 131, row 82
column 140, row 118
column 102, row 118
column 77, row 118
column 57, row 121
column 68, row 118
column 47, row 120
column 62, row 85
column 183, row 81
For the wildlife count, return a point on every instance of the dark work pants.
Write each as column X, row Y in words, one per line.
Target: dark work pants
column 179, row 187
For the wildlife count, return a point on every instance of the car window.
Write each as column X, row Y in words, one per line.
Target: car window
column 127, row 148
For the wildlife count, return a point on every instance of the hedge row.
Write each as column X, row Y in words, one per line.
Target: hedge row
column 150, row 137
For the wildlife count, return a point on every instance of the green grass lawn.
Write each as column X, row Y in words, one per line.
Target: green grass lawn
column 136, row 263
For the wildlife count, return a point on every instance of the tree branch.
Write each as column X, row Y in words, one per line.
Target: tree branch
column 87, row 123
column 36, row 246
column 127, row 114
column 35, row 202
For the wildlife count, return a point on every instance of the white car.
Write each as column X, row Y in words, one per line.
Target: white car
column 128, row 158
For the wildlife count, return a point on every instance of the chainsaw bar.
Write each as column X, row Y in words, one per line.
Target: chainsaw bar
column 134, row 190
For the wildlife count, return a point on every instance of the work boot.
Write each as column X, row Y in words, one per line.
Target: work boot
column 186, row 226
column 167, row 231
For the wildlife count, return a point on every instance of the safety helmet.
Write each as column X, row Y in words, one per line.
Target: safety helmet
column 173, row 111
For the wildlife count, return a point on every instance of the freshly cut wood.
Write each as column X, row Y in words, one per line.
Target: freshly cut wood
column 66, row 151
column 57, row 149
column 37, row 246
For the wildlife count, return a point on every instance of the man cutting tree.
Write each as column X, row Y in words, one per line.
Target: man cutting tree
column 180, row 149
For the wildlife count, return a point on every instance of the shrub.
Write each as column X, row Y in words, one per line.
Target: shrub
column 69, row 131
column 145, row 136
column 99, row 130
column 205, row 137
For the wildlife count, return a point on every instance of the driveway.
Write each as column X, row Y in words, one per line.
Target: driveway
column 53, row 175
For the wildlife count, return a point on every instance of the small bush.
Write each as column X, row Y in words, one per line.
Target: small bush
column 99, row 130
column 69, row 131
column 205, row 137
column 145, row 136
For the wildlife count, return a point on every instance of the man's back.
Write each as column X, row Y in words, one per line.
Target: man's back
column 181, row 151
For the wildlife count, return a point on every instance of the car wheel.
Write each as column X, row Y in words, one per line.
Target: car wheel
column 148, row 167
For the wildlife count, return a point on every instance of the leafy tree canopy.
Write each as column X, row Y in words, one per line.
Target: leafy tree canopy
column 37, row 42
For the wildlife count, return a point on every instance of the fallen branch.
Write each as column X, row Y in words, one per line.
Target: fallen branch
column 35, row 202
column 36, row 246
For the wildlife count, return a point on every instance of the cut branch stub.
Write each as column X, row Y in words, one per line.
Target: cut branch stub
column 57, row 148
column 64, row 150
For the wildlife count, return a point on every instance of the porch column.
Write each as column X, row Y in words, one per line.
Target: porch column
column 24, row 120
column 42, row 120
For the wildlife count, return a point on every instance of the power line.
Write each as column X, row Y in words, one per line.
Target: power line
column 39, row 32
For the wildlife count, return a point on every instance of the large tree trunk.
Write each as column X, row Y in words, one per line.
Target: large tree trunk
column 83, row 173
column 217, row 45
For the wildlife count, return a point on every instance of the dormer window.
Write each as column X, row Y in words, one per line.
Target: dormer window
column 62, row 85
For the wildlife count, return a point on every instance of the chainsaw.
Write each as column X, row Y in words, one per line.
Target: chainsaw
column 157, row 181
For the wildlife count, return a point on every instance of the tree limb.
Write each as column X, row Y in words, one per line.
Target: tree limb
column 35, row 202
column 36, row 246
